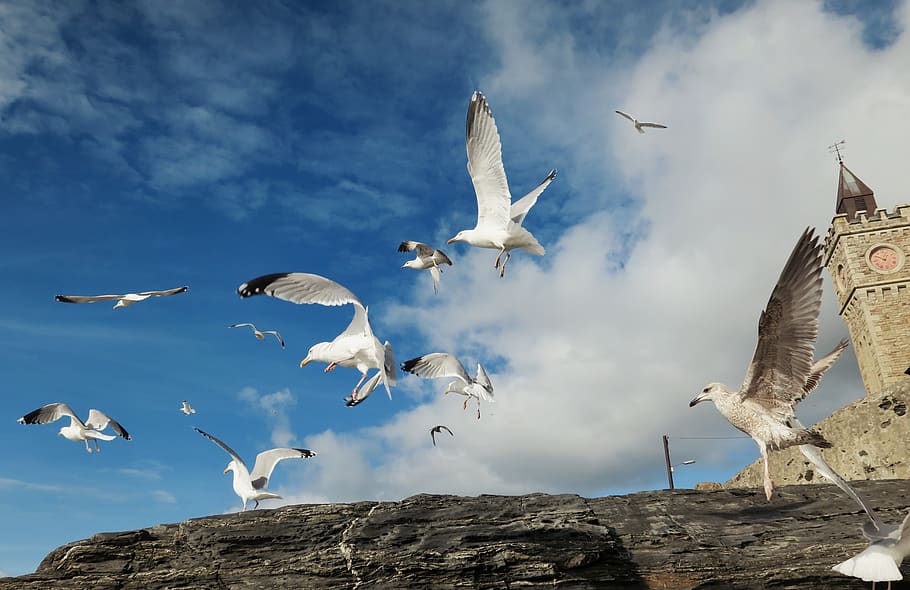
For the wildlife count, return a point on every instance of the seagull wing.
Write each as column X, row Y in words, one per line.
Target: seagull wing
column 436, row 429
column 266, row 461
column 521, row 207
column 299, row 287
column 389, row 368
column 485, row 165
column 820, row 366
column 423, row 250
column 483, row 380
column 626, row 115
column 227, row 449
column 787, row 330
column 50, row 413
column 437, row 364
column 86, row 298
column 654, row 125
column 164, row 293
column 242, row 325
column 441, row 258
column 276, row 335
column 365, row 390
column 98, row 420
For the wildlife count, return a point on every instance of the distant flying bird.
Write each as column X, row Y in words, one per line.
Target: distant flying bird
column 436, row 429
column 251, row 486
column 427, row 258
column 639, row 124
column 498, row 219
column 782, row 371
column 443, row 364
column 356, row 347
column 90, row 430
column 122, row 300
column 186, row 408
column 881, row 560
column 261, row 335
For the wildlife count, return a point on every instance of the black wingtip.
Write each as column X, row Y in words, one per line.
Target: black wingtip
column 258, row 285
column 63, row 299
column 306, row 453
column 403, row 247
column 408, row 366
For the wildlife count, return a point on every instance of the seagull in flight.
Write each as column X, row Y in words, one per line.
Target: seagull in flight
column 639, row 124
column 186, row 408
column 782, row 371
column 251, row 486
column 90, row 430
column 437, row 429
column 122, row 300
column 356, row 347
column 260, row 335
column 427, row 258
column 498, row 218
column 443, row 364
column 881, row 560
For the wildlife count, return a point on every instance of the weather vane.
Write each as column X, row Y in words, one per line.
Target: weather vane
column 835, row 149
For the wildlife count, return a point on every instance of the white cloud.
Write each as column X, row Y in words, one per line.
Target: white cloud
column 595, row 354
column 163, row 497
column 274, row 407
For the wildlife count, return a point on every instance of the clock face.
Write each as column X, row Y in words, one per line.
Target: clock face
column 884, row 258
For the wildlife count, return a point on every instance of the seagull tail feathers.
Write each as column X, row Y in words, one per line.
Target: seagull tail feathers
column 870, row 566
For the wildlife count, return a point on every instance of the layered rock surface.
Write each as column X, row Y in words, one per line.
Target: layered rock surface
column 681, row 539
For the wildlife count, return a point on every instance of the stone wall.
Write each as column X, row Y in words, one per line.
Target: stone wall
column 871, row 439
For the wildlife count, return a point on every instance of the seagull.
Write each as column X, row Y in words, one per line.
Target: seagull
column 122, row 300
column 439, row 428
column 639, row 124
column 498, row 219
column 90, row 430
column 186, row 408
column 442, row 364
column 782, row 371
column 251, row 486
column 427, row 258
column 261, row 335
column 356, row 347
column 881, row 560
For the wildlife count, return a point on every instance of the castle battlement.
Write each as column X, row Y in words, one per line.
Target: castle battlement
column 863, row 222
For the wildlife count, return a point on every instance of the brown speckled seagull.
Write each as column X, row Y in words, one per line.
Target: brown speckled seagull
column 782, row 371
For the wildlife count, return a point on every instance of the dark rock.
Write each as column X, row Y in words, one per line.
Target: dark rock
column 679, row 539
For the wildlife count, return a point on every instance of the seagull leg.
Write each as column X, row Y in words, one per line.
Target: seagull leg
column 330, row 368
column 498, row 256
column 502, row 271
column 97, row 448
column 87, row 447
column 244, row 506
column 357, row 387
column 769, row 485
column 255, row 506
column 465, row 406
column 478, row 408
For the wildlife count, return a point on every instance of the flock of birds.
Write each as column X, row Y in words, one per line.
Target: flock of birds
column 782, row 372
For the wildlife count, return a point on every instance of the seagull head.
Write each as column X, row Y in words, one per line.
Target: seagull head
column 711, row 392
column 230, row 466
column 317, row 352
column 459, row 237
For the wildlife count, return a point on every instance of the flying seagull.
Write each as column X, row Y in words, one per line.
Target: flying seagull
column 427, row 258
column 439, row 428
column 498, row 218
column 881, row 560
column 442, row 364
column 251, row 486
column 782, row 371
column 186, row 408
column 356, row 347
column 639, row 124
column 261, row 335
column 90, row 430
column 122, row 300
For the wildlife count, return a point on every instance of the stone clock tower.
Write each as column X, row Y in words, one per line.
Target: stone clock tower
column 866, row 252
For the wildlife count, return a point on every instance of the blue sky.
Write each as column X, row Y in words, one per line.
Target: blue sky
column 156, row 144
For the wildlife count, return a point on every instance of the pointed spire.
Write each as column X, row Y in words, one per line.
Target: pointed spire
column 853, row 194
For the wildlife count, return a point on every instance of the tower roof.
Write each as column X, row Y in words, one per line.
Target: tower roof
column 853, row 194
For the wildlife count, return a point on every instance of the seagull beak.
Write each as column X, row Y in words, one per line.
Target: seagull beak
column 700, row 398
column 226, row 470
column 453, row 240
column 305, row 361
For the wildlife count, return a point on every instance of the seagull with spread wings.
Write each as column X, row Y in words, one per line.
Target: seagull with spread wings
column 90, row 430
column 640, row 124
column 356, row 347
column 122, row 300
column 881, row 560
column 437, row 429
column 427, row 258
column 782, row 371
column 186, row 408
column 251, row 486
column 260, row 335
column 499, row 220
column 443, row 364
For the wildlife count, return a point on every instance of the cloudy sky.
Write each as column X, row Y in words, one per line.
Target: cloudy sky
column 158, row 144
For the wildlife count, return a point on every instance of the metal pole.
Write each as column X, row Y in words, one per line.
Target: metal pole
column 667, row 459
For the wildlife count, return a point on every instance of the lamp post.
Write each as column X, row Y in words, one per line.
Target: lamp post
column 666, row 440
